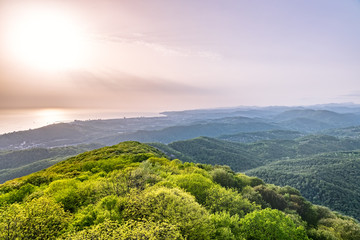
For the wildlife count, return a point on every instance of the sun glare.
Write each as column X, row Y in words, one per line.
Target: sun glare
column 49, row 116
column 46, row 38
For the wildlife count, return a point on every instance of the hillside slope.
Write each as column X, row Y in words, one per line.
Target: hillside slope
column 14, row 164
column 245, row 156
column 325, row 169
column 175, row 126
column 132, row 191
column 249, row 137
column 329, row 179
column 209, row 128
column 310, row 120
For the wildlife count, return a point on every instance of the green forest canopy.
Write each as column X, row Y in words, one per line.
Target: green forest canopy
column 133, row 191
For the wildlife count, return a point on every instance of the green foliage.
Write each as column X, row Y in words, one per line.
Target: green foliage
column 213, row 151
column 226, row 178
column 343, row 228
column 194, row 183
column 241, row 157
column 325, row 169
column 244, row 180
column 329, row 179
column 131, row 191
column 17, row 195
column 11, row 220
column 85, row 217
column 144, row 176
column 270, row 224
column 276, row 201
column 254, row 196
column 305, row 209
column 220, row 199
column 226, row 226
column 145, row 230
column 72, row 193
column 65, row 192
column 107, row 159
column 322, row 233
column 41, row 218
column 173, row 206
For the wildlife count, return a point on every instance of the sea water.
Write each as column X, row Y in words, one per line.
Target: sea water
column 25, row 119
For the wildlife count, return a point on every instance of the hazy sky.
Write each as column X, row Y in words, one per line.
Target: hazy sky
column 155, row 55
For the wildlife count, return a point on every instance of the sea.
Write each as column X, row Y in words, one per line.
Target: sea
column 27, row 119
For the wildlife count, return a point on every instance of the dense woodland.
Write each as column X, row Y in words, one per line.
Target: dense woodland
column 325, row 169
column 329, row 179
column 133, row 191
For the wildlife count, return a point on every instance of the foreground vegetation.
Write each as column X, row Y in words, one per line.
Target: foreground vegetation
column 132, row 191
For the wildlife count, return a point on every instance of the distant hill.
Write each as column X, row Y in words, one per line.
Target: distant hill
column 338, row 107
column 242, row 157
column 212, row 151
column 211, row 128
column 132, row 191
column 250, row 112
column 78, row 132
column 109, row 132
column 14, row 164
column 319, row 115
column 349, row 132
column 260, row 136
column 309, row 120
column 183, row 125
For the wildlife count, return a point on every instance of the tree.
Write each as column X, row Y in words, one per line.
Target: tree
column 226, row 226
column 11, row 219
column 270, row 196
column 41, row 218
column 194, row 183
column 270, row 224
column 173, row 206
column 220, row 199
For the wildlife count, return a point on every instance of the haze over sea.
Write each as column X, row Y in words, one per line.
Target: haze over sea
column 25, row 119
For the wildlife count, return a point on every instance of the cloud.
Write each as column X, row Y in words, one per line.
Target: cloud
column 166, row 49
column 351, row 95
column 132, row 93
column 117, row 82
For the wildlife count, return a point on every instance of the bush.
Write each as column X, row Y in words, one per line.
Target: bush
column 173, row 206
column 270, row 224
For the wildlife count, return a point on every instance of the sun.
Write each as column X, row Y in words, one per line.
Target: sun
column 46, row 38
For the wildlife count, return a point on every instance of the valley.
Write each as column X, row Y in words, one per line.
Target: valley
column 312, row 149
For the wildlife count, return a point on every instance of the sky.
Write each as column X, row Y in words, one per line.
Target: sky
column 158, row 55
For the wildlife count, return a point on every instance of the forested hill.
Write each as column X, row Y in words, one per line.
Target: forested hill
column 329, row 179
column 14, row 164
column 245, row 156
column 133, row 191
column 325, row 169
